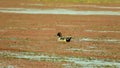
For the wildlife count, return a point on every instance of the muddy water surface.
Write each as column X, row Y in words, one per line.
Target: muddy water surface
column 41, row 57
column 56, row 11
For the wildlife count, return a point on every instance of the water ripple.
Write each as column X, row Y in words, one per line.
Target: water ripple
column 56, row 11
column 40, row 57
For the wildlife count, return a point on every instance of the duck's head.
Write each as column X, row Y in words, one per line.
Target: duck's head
column 59, row 34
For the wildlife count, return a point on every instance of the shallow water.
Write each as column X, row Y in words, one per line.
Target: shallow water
column 83, row 50
column 105, row 31
column 56, row 11
column 25, row 28
column 99, row 40
column 67, row 25
column 41, row 57
column 94, row 6
column 33, row 4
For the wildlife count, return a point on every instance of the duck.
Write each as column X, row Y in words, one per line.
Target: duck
column 63, row 39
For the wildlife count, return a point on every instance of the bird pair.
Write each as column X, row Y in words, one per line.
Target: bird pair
column 63, row 39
